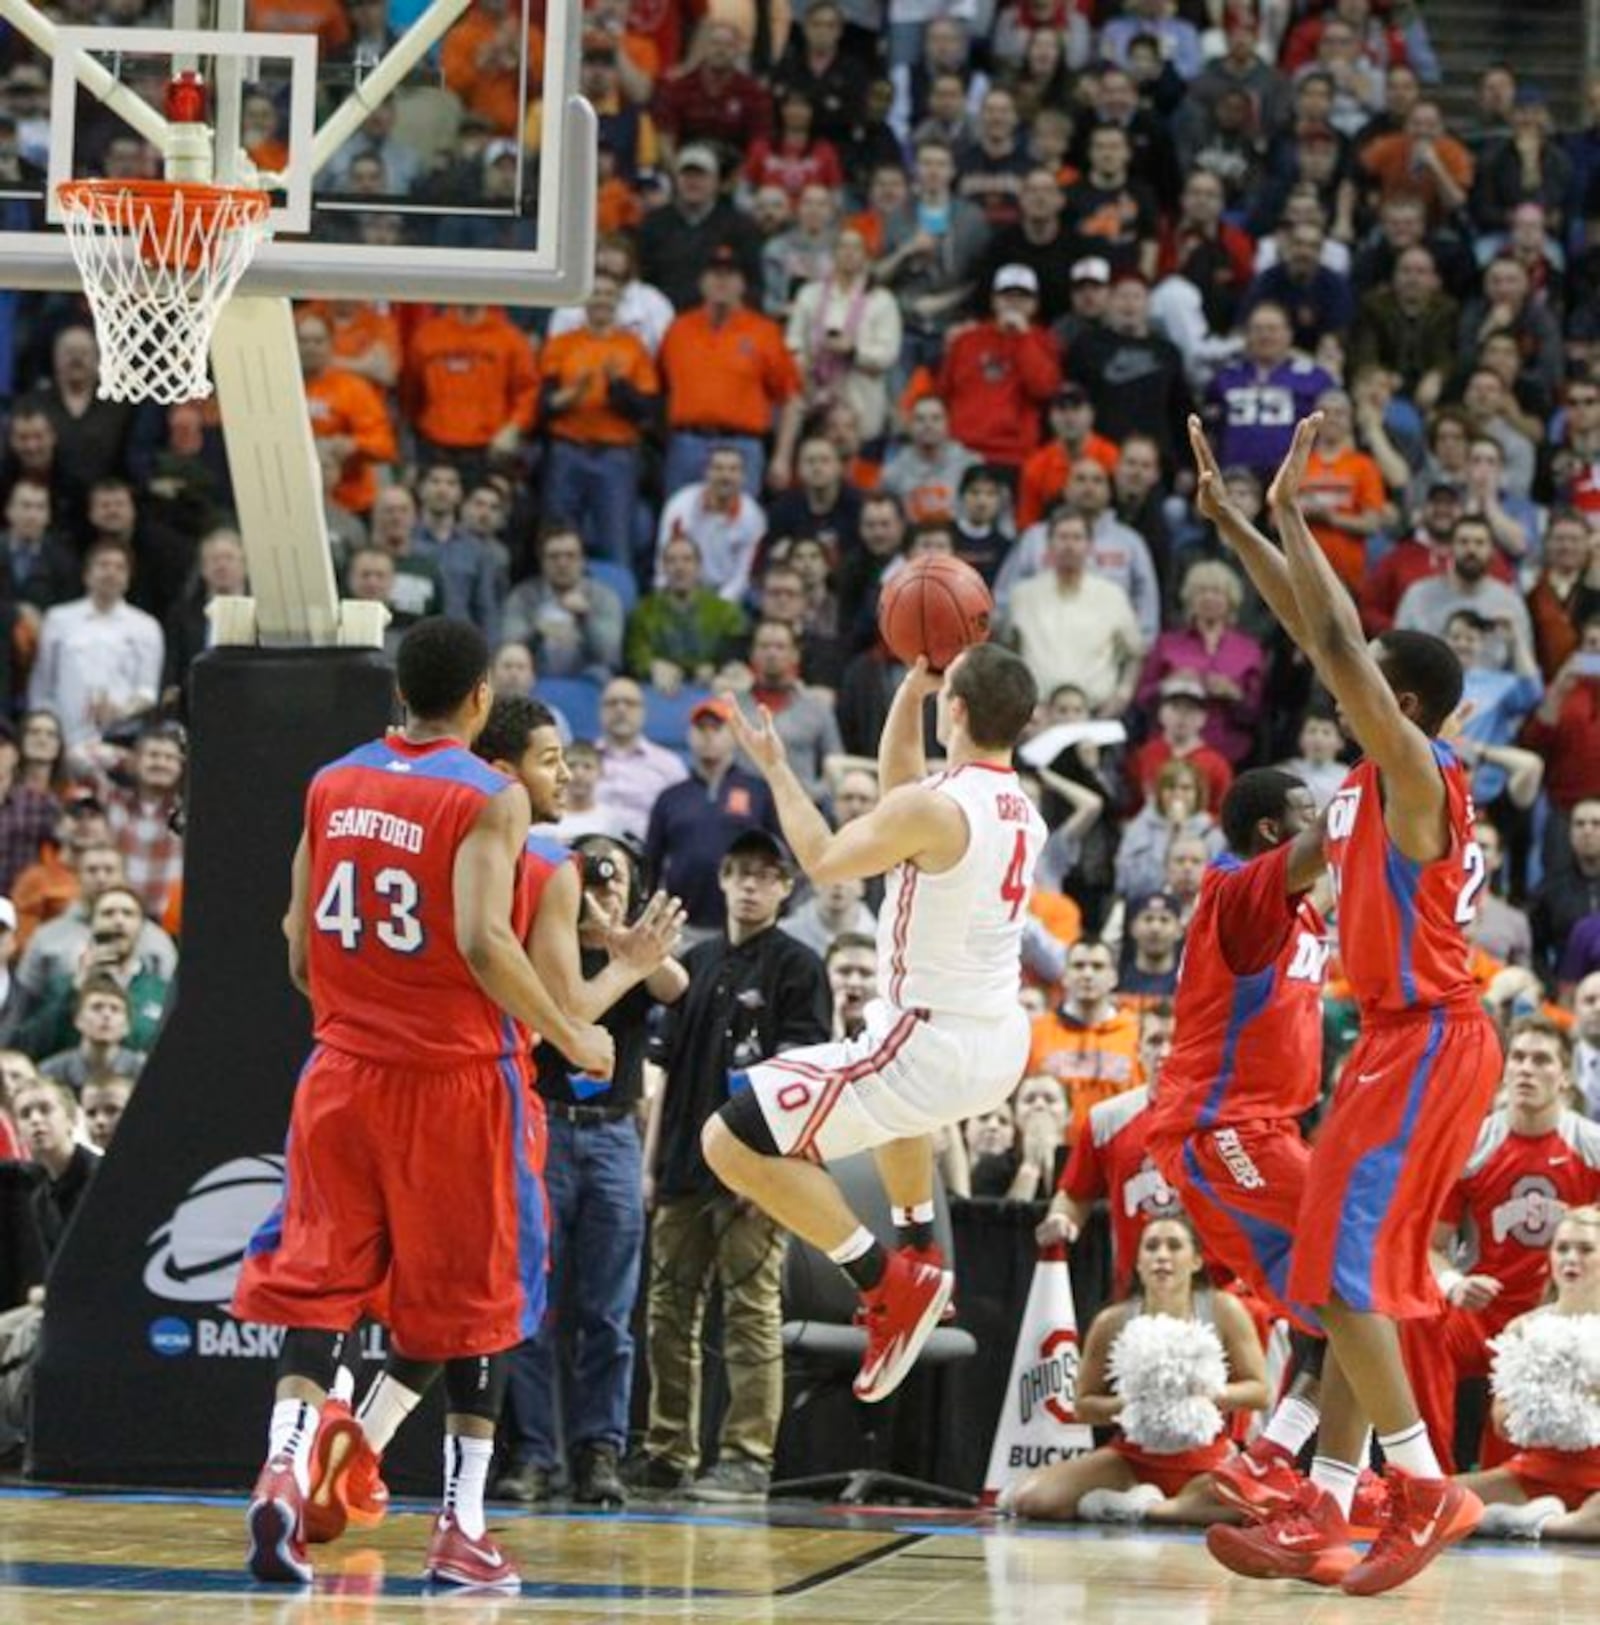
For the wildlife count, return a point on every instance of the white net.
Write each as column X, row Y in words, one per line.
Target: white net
column 158, row 262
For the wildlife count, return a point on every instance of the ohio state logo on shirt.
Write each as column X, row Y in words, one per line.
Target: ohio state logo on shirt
column 1148, row 1193
column 1530, row 1214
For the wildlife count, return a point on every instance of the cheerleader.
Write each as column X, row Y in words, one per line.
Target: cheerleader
column 1546, row 1383
column 1158, row 1366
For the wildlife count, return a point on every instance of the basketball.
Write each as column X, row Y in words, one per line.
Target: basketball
column 936, row 606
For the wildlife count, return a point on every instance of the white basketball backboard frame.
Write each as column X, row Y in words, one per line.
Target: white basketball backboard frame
column 557, row 271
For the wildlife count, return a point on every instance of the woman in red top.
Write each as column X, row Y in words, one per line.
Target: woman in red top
column 794, row 159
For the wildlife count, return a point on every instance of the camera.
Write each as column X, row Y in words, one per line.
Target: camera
column 599, row 869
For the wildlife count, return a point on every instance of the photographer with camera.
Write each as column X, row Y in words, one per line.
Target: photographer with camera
column 603, row 952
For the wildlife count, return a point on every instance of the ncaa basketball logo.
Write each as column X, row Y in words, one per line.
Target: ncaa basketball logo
column 1530, row 1214
column 196, row 1254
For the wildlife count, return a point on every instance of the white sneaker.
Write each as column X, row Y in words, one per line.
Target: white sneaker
column 1119, row 1506
column 1502, row 1521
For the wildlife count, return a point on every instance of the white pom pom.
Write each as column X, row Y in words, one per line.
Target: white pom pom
column 1546, row 1370
column 1166, row 1371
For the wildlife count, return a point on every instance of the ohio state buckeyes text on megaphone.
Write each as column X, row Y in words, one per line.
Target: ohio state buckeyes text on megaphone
column 1038, row 1422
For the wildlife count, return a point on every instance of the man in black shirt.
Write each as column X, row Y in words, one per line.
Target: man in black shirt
column 753, row 992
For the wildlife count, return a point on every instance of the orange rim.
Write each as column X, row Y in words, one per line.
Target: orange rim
column 99, row 199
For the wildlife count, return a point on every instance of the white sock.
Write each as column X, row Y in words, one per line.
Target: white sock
column 1290, row 1426
column 387, row 1405
column 1411, row 1450
column 855, row 1246
column 293, row 1427
column 1338, row 1478
column 466, row 1471
column 918, row 1213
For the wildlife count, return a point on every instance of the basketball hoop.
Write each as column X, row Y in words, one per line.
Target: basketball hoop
column 159, row 259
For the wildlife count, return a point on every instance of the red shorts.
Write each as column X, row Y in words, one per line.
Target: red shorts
column 1242, row 1184
column 1572, row 1476
column 412, row 1197
column 1169, row 1473
column 1404, row 1118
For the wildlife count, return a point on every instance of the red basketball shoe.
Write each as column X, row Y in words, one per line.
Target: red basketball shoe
column 1258, row 1482
column 478, row 1565
column 277, row 1526
column 933, row 1256
column 902, row 1311
column 1425, row 1515
column 1307, row 1540
column 346, row 1477
column 1370, row 1509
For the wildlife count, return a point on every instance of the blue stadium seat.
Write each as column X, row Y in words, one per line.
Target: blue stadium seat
column 621, row 581
column 666, row 717
column 577, row 699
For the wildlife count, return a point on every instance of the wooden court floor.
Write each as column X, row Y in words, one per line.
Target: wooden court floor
column 175, row 1560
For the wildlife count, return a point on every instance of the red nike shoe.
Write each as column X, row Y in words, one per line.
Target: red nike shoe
column 901, row 1313
column 478, row 1565
column 1370, row 1508
column 933, row 1256
column 1425, row 1515
column 1307, row 1540
column 276, row 1524
column 1258, row 1482
column 347, row 1484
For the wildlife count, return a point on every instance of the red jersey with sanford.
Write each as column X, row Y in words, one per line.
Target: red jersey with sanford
column 383, row 826
column 1403, row 925
column 1247, row 1044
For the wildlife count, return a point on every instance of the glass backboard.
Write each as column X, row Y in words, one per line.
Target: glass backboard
column 414, row 150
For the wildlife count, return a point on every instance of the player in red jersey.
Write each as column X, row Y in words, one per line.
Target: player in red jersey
column 1111, row 1159
column 410, row 1192
column 1413, row 1094
column 1534, row 1159
column 520, row 740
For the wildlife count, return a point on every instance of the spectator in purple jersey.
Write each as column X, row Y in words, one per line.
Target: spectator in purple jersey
column 1254, row 404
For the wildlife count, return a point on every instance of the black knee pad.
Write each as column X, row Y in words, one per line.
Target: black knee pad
column 417, row 1375
column 746, row 1122
column 1309, row 1353
column 476, row 1385
column 311, row 1355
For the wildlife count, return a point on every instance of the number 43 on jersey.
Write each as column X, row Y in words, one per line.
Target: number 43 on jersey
column 391, row 910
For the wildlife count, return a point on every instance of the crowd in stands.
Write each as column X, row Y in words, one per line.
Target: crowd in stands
column 880, row 281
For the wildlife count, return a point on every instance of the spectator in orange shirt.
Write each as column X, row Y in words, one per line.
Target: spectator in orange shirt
column 329, row 20
column 51, row 886
column 727, row 371
column 470, row 387
column 347, row 415
column 366, row 338
column 1424, row 161
column 483, row 57
column 1046, row 472
column 1088, row 1042
column 599, row 391
column 1345, row 498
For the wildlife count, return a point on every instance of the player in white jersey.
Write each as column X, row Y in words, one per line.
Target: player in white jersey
column 948, row 1039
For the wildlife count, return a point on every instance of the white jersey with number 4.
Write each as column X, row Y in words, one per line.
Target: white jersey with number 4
column 951, row 943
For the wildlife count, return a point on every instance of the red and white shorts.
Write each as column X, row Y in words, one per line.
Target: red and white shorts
column 906, row 1074
column 1170, row 1472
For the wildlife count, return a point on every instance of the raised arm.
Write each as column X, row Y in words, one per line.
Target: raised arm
column 901, row 759
column 1262, row 562
column 910, row 822
column 484, row 880
column 1337, row 647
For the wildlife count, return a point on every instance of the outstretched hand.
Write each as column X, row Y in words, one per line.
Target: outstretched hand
column 759, row 740
column 1211, row 495
column 1286, row 483
column 650, row 940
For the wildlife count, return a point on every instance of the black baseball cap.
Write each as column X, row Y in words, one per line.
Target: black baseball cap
column 760, row 843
